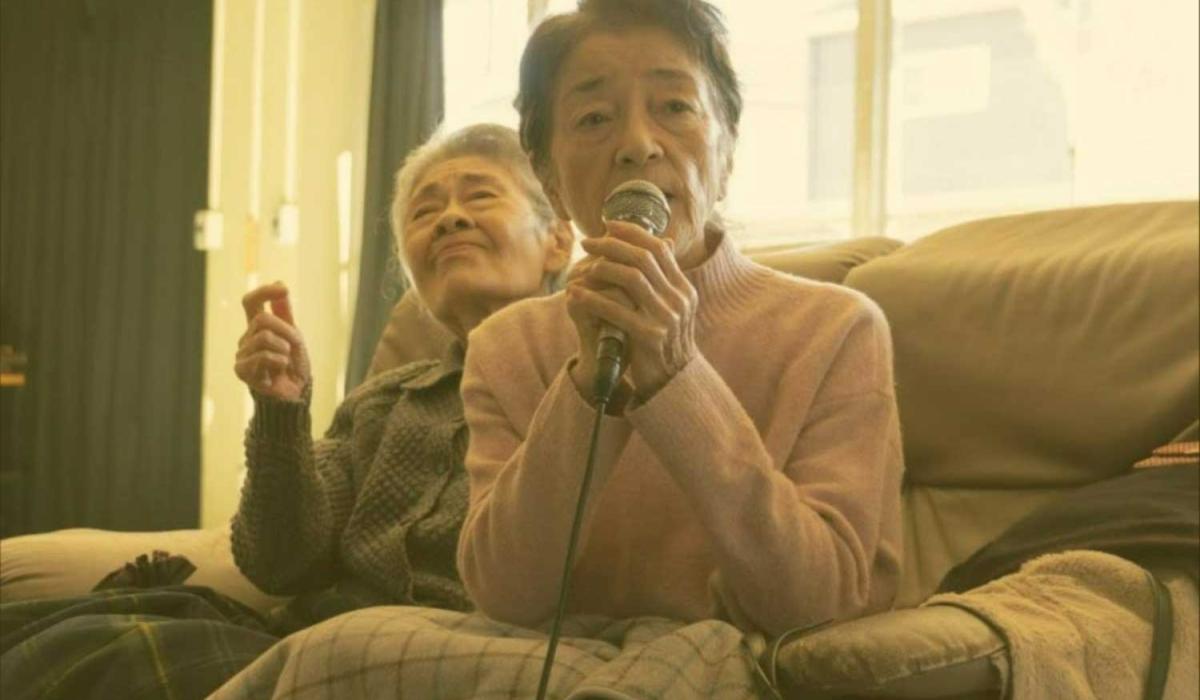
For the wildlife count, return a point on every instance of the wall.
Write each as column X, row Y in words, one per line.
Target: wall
column 291, row 86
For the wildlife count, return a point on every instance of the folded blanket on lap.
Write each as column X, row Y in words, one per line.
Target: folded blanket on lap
column 426, row 653
column 1080, row 624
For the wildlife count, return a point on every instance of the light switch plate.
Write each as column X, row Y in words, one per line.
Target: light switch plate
column 208, row 230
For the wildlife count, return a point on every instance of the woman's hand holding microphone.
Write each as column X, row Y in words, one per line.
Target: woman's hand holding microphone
column 632, row 282
column 271, row 357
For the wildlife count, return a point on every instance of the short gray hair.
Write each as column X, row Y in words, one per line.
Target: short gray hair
column 494, row 142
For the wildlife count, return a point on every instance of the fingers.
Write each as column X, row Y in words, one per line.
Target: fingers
column 282, row 307
column 263, row 363
column 662, row 248
column 280, row 321
column 585, row 303
column 660, row 327
column 587, row 324
column 634, row 234
column 644, row 267
column 263, row 339
column 271, row 357
column 274, row 324
column 605, row 275
column 254, row 300
column 268, row 347
column 257, row 369
column 644, row 259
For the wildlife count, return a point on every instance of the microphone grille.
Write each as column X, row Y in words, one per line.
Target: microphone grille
column 640, row 202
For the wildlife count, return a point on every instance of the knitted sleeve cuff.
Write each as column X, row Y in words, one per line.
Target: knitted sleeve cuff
column 278, row 420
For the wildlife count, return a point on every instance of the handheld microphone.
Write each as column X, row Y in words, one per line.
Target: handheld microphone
column 641, row 203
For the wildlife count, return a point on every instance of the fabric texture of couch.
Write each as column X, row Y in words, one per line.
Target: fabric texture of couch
column 1034, row 353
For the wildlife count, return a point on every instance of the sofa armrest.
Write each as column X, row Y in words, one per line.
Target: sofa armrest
column 71, row 562
column 931, row 652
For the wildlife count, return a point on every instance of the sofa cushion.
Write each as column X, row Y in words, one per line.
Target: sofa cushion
column 71, row 562
column 1148, row 517
column 1045, row 349
column 945, row 525
column 826, row 262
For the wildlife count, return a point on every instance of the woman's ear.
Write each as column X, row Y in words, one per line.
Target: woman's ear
column 559, row 244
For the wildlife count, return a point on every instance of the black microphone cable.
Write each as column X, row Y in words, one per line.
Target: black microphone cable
column 642, row 203
column 608, row 371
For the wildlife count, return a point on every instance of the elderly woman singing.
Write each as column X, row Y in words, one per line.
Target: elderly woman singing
column 748, row 466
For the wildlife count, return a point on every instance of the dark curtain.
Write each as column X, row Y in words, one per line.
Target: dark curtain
column 104, row 139
column 406, row 106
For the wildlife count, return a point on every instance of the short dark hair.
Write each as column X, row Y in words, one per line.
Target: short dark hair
column 696, row 24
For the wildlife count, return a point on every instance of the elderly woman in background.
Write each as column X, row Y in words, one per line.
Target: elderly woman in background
column 374, row 509
column 749, row 466
column 370, row 514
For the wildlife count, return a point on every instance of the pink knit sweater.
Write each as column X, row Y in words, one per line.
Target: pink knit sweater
column 760, row 485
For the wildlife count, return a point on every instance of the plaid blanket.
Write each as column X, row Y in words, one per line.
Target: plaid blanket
column 408, row 652
column 172, row 643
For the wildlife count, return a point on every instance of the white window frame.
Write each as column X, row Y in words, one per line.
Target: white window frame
column 876, row 204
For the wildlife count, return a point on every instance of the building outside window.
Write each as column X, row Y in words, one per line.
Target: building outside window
column 994, row 106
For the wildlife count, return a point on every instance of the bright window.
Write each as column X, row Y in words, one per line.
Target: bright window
column 995, row 106
column 1024, row 104
column 793, row 166
column 481, row 55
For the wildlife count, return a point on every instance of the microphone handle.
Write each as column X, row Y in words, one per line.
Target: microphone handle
column 609, row 349
column 610, row 342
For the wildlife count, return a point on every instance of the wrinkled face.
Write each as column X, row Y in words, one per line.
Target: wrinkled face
column 635, row 105
column 472, row 236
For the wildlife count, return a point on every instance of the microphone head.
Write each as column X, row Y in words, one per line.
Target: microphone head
column 638, row 202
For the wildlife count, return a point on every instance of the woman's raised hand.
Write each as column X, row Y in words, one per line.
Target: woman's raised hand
column 658, row 323
column 271, row 357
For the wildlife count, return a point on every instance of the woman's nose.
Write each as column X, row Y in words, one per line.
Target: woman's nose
column 638, row 144
column 451, row 220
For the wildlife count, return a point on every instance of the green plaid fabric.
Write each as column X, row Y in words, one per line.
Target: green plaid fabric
column 171, row 643
column 182, row 642
column 410, row 652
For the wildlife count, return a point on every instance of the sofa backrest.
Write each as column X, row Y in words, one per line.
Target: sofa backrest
column 1034, row 353
column 412, row 334
column 826, row 262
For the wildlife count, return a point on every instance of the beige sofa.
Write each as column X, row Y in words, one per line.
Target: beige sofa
column 1034, row 354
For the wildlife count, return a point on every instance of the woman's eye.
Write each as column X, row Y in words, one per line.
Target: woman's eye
column 422, row 213
column 482, row 194
column 592, row 119
column 678, row 106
